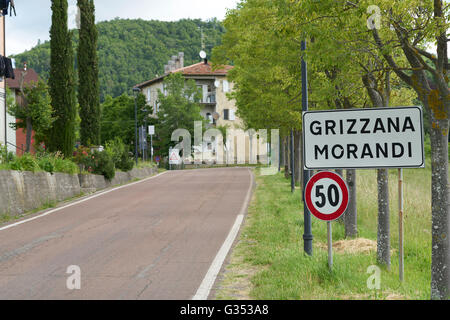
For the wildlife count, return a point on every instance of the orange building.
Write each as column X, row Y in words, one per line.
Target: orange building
column 29, row 75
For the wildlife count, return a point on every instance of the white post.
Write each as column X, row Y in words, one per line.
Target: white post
column 330, row 246
column 400, row 224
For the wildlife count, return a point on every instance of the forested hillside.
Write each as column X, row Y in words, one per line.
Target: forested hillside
column 133, row 51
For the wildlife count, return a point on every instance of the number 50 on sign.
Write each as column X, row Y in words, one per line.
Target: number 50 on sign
column 327, row 196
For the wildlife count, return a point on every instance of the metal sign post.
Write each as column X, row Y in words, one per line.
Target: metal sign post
column 327, row 197
column 307, row 229
column 151, row 132
column 400, row 224
column 330, row 246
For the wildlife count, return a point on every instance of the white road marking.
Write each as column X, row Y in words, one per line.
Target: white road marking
column 78, row 202
column 210, row 278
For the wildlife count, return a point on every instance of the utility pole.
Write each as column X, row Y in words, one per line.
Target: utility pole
column 136, row 92
column 146, row 134
column 292, row 161
column 307, row 236
column 3, row 21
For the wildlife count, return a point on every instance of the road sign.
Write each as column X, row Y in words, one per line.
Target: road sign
column 174, row 156
column 151, row 130
column 142, row 138
column 326, row 195
column 364, row 138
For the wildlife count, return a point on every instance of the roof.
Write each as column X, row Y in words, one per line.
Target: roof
column 198, row 69
column 31, row 76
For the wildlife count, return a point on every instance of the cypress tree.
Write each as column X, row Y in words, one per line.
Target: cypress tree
column 88, row 90
column 61, row 82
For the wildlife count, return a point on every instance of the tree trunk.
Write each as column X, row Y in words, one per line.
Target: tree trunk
column 341, row 173
column 281, row 153
column 440, row 211
column 297, row 156
column 383, row 238
column 29, row 132
column 286, row 157
column 292, row 160
column 350, row 218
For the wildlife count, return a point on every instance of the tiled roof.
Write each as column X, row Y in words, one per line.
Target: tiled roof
column 31, row 76
column 198, row 69
column 203, row 69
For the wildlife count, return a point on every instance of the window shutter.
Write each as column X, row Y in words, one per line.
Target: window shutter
column 226, row 86
column 232, row 115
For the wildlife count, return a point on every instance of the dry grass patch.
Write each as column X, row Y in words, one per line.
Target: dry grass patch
column 352, row 246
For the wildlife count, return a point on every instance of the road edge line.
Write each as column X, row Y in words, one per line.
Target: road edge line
column 210, row 278
column 78, row 202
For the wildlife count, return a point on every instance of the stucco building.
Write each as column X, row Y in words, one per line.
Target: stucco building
column 214, row 85
column 217, row 109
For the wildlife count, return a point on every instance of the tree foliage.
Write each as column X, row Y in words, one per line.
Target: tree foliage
column 179, row 109
column 35, row 113
column 88, row 88
column 360, row 53
column 61, row 136
column 118, row 119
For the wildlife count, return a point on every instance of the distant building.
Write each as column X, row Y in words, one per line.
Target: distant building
column 18, row 137
column 214, row 86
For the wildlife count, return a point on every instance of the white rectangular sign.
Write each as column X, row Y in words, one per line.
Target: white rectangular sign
column 363, row 138
column 151, row 130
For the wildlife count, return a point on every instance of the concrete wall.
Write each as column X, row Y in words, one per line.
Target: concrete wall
column 21, row 192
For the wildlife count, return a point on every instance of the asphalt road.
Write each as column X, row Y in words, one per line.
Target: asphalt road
column 152, row 240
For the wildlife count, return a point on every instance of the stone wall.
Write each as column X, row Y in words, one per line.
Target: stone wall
column 21, row 192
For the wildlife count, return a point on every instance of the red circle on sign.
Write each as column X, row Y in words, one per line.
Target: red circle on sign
column 345, row 195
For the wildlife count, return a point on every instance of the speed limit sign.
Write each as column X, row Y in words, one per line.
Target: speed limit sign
column 326, row 196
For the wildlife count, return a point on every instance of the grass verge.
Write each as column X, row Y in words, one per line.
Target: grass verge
column 268, row 261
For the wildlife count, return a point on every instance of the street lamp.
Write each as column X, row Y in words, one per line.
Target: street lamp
column 136, row 91
column 145, row 133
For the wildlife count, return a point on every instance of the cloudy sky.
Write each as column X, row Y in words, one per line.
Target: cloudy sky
column 34, row 16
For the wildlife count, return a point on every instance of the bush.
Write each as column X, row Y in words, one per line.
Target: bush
column 100, row 163
column 25, row 163
column 65, row 166
column 56, row 163
column 5, row 155
column 119, row 154
column 126, row 162
column 46, row 164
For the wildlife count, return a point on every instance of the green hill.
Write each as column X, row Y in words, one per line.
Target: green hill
column 133, row 51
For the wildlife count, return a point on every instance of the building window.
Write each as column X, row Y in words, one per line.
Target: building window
column 226, row 114
column 209, row 118
column 149, row 94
